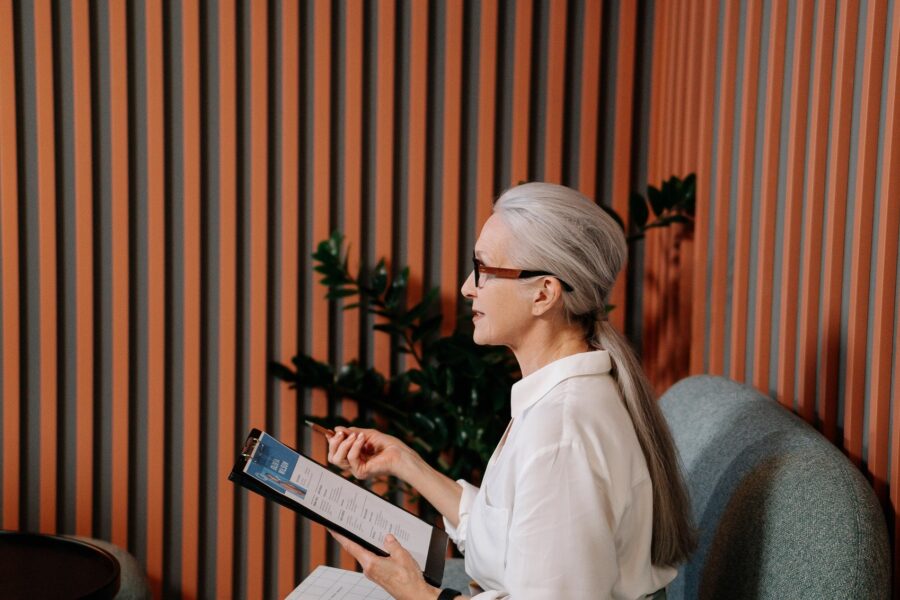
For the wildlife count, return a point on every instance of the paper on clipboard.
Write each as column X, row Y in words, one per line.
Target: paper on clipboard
column 333, row 497
column 329, row 583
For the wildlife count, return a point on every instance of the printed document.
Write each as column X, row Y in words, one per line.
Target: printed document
column 328, row 583
column 340, row 501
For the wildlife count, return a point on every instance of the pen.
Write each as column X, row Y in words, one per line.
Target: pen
column 319, row 429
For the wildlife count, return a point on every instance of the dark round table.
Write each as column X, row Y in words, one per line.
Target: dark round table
column 37, row 566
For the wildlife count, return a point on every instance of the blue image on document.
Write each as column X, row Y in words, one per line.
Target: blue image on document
column 273, row 463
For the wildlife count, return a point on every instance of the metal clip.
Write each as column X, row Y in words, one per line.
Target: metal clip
column 249, row 445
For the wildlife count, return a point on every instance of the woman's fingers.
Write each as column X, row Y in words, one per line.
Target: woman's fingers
column 398, row 572
column 341, row 447
column 333, row 443
column 363, row 556
column 353, row 455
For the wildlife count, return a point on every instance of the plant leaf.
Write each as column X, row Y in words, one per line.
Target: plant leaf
column 282, row 372
column 639, row 211
column 654, row 196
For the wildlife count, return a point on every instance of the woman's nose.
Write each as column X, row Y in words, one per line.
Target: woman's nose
column 468, row 288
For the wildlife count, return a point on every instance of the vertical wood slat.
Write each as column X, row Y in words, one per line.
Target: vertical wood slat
column 190, row 331
column 9, row 268
column 793, row 218
column 353, row 76
column 353, row 188
column 725, row 140
column 682, row 317
column 650, row 287
column 861, row 255
column 679, row 89
column 768, row 212
column 321, row 224
column 417, row 51
column 704, row 178
column 668, row 254
column 667, row 105
column 227, row 169
column 654, row 153
column 555, row 93
column 384, row 135
column 119, row 193
column 521, row 101
column 746, row 164
column 590, row 99
column 692, row 162
column 621, row 169
column 453, row 17
column 416, row 54
column 46, row 205
column 84, row 266
column 384, row 167
column 655, row 241
column 680, row 242
column 676, row 260
column 257, row 247
column 156, row 299
column 812, row 221
column 289, row 124
column 487, row 76
column 836, row 200
column 690, row 143
column 417, row 161
column 885, row 324
column 692, row 266
column 666, row 297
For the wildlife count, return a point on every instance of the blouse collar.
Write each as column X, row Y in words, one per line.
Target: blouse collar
column 529, row 390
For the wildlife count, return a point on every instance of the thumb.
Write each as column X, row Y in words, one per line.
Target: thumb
column 391, row 544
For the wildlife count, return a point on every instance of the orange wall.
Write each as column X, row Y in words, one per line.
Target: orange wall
column 790, row 114
column 165, row 170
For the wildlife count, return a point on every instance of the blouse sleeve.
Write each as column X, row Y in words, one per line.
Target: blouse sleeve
column 458, row 533
column 561, row 534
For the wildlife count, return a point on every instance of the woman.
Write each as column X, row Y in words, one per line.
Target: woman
column 582, row 497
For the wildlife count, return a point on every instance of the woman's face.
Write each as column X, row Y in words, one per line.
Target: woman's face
column 501, row 308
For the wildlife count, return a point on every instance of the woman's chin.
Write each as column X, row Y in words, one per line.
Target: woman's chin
column 479, row 337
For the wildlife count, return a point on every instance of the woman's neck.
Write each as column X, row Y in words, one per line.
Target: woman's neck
column 548, row 344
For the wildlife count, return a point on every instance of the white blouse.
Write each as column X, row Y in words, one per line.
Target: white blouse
column 565, row 507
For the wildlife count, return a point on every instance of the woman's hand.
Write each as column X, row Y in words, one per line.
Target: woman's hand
column 368, row 452
column 398, row 574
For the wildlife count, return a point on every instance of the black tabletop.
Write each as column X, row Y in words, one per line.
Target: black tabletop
column 37, row 566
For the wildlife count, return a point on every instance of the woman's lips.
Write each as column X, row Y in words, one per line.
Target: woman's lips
column 477, row 314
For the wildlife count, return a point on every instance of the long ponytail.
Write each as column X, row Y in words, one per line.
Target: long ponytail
column 673, row 534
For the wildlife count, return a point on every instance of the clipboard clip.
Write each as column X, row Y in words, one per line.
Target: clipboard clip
column 249, row 446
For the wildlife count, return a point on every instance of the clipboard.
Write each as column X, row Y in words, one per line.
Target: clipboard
column 293, row 495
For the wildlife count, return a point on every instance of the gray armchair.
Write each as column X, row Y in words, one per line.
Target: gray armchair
column 781, row 512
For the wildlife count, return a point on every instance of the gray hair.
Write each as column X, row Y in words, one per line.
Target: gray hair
column 567, row 235
column 558, row 230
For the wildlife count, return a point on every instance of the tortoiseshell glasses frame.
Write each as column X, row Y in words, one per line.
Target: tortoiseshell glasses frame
column 504, row 273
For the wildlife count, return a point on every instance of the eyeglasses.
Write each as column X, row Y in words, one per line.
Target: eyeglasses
column 479, row 268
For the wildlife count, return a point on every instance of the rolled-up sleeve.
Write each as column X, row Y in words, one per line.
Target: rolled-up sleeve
column 458, row 533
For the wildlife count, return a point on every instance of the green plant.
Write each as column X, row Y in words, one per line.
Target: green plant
column 673, row 202
column 451, row 405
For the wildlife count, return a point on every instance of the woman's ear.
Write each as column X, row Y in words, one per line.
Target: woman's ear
column 547, row 295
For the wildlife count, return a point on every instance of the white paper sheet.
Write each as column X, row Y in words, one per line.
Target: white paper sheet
column 328, row 583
